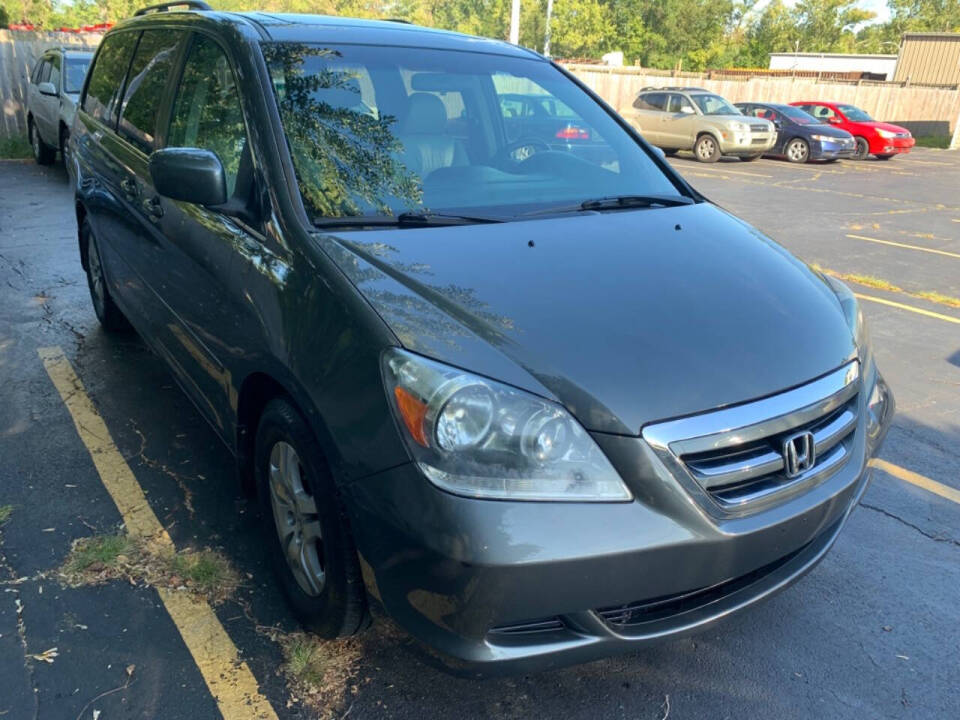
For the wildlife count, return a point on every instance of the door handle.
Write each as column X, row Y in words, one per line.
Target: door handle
column 129, row 188
column 153, row 208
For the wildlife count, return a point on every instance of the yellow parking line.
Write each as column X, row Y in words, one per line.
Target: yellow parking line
column 229, row 679
column 920, row 481
column 723, row 169
column 911, row 308
column 905, row 245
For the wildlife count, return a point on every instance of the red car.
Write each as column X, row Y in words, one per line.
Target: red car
column 878, row 138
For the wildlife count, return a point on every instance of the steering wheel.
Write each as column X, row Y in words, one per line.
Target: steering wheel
column 516, row 152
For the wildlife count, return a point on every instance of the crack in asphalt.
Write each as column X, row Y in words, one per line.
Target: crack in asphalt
column 13, row 588
column 931, row 536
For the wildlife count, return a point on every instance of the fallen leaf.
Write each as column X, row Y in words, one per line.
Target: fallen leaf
column 130, row 669
column 96, row 715
column 46, row 656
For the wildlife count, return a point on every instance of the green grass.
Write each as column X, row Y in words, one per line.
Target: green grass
column 14, row 148
column 207, row 571
column 933, row 141
column 99, row 551
column 306, row 661
column 5, row 512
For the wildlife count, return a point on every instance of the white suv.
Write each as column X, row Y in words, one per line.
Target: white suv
column 55, row 85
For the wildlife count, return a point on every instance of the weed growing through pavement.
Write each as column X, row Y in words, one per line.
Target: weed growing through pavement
column 320, row 672
column 100, row 558
column 5, row 512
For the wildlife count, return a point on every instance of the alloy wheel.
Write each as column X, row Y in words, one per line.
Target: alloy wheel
column 706, row 148
column 863, row 149
column 296, row 519
column 797, row 151
column 96, row 277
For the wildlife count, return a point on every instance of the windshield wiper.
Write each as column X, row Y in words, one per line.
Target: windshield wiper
column 618, row 202
column 425, row 218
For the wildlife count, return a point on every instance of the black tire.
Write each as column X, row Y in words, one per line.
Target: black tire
column 797, row 151
column 885, row 157
column 863, row 149
column 338, row 607
column 670, row 152
column 42, row 153
column 750, row 158
column 64, row 139
column 111, row 318
column 706, row 149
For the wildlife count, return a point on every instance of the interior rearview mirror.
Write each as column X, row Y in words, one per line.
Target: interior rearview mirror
column 47, row 88
column 189, row 174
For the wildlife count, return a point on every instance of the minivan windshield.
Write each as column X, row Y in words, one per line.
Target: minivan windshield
column 388, row 131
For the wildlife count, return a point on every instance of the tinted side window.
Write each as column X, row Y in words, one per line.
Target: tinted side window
column 102, row 98
column 37, row 72
column 55, row 72
column 149, row 72
column 651, row 101
column 45, row 70
column 206, row 112
column 680, row 104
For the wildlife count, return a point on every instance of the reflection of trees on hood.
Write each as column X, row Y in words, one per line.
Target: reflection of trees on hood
column 345, row 155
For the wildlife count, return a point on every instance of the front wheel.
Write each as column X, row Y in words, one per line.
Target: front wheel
column 305, row 525
column 42, row 153
column 110, row 317
column 64, row 139
column 863, row 149
column 706, row 149
column 669, row 152
column 798, row 151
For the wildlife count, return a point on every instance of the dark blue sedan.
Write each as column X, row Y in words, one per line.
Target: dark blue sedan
column 801, row 137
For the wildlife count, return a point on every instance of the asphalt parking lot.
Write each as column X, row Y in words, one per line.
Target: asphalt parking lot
column 872, row 632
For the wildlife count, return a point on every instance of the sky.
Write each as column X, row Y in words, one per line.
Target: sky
column 879, row 7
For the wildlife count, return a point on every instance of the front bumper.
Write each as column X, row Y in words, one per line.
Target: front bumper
column 501, row 586
column 746, row 144
column 821, row 150
column 891, row 146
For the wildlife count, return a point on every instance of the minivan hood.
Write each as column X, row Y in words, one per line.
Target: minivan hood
column 625, row 317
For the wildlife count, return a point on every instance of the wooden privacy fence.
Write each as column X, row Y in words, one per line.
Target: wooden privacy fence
column 18, row 52
column 925, row 110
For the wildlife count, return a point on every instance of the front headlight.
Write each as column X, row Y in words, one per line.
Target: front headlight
column 886, row 134
column 477, row 437
column 739, row 126
column 824, row 138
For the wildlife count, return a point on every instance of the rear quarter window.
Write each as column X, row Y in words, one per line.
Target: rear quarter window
column 105, row 87
column 651, row 101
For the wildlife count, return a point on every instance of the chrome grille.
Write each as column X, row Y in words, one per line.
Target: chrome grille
column 759, row 128
column 736, row 455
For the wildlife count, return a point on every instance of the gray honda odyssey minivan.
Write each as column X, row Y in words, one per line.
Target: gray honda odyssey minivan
column 540, row 404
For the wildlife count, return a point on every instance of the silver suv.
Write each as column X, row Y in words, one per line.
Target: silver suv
column 687, row 118
column 55, row 85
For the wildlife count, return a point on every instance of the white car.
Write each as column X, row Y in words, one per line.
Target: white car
column 52, row 95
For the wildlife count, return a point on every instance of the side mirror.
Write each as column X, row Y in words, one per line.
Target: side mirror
column 47, row 88
column 189, row 174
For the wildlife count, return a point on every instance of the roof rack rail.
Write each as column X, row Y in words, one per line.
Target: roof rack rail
column 165, row 7
column 673, row 87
